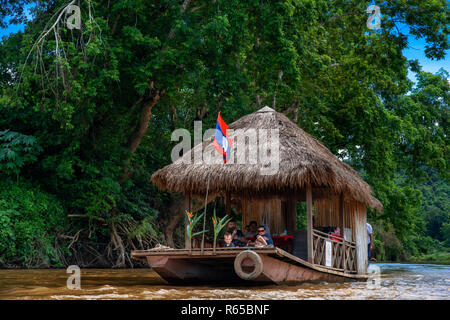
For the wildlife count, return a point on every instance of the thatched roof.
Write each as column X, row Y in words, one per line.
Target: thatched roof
column 302, row 160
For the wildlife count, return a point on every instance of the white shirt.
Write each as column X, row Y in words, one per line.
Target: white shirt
column 369, row 232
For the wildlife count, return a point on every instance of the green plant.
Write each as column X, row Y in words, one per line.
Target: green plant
column 445, row 229
column 219, row 224
column 17, row 150
column 193, row 220
column 30, row 221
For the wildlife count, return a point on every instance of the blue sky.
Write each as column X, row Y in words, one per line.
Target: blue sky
column 416, row 50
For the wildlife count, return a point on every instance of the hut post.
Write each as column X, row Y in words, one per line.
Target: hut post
column 228, row 204
column 361, row 240
column 342, row 226
column 309, row 220
column 187, row 206
column 341, row 214
column 289, row 210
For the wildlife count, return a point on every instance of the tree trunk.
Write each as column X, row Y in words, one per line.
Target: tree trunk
column 175, row 213
column 144, row 120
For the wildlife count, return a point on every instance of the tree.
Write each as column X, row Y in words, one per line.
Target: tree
column 102, row 101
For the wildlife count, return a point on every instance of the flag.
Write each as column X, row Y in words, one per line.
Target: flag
column 222, row 142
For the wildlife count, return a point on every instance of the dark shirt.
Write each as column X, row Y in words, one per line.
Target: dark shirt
column 238, row 233
column 237, row 241
column 229, row 245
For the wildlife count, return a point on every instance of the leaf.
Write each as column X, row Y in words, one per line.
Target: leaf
column 200, row 232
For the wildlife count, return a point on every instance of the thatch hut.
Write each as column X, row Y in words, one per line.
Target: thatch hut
column 300, row 169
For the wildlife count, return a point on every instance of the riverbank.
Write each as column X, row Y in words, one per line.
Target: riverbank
column 436, row 258
column 433, row 258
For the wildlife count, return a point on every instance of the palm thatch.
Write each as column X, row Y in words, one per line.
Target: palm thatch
column 302, row 160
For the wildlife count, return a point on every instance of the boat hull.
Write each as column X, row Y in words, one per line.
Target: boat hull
column 192, row 268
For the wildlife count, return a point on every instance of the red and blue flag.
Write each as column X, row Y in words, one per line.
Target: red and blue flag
column 222, row 142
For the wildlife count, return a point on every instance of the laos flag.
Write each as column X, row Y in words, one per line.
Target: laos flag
column 222, row 142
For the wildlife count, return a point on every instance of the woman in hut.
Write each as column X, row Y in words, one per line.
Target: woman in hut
column 263, row 239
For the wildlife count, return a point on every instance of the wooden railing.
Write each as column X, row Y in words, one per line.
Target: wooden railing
column 343, row 256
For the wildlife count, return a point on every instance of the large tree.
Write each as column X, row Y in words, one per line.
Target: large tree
column 102, row 101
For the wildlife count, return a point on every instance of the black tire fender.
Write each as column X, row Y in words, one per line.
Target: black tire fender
column 257, row 261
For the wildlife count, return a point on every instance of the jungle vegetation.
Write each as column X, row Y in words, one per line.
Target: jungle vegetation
column 86, row 115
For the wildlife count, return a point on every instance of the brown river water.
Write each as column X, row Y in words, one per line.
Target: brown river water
column 397, row 281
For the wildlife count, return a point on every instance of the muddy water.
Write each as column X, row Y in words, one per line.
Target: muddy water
column 397, row 281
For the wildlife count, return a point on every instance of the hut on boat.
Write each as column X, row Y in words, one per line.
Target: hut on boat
column 274, row 165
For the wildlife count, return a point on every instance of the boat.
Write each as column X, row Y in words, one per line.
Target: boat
column 335, row 196
column 195, row 267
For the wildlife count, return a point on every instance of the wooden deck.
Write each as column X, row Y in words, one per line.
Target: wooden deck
column 178, row 265
column 141, row 254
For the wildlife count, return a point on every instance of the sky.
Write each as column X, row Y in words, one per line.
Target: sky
column 415, row 50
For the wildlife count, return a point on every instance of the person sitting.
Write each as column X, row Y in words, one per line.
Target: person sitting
column 247, row 231
column 337, row 233
column 263, row 239
column 260, row 242
column 238, row 237
column 252, row 229
column 228, row 240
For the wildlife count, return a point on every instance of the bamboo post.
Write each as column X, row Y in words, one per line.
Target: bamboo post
column 342, row 225
column 361, row 241
column 204, row 216
column 290, row 213
column 187, row 206
column 227, row 204
column 309, row 222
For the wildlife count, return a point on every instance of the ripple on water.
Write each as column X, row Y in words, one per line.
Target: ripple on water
column 109, row 296
column 397, row 281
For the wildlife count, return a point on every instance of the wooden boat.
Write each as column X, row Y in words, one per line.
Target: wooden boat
column 185, row 267
column 306, row 171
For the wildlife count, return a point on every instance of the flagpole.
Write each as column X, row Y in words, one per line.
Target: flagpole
column 204, row 216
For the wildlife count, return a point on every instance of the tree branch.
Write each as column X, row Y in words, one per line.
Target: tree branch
column 339, row 16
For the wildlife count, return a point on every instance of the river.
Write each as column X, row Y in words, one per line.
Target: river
column 397, row 281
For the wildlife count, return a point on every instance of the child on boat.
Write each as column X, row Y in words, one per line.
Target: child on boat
column 228, row 240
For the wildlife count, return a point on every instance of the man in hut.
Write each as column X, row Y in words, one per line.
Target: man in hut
column 238, row 237
column 252, row 229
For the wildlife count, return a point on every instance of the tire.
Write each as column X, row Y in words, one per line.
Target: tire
column 257, row 261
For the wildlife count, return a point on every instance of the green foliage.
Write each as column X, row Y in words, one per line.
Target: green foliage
column 16, row 151
column 445, row 230
column 219, row 224
column 193, row 219
column 435, row 205
column 386, row 246
column 73, row 117
column 442, row 257
column 301, row 216
column 30, row 222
